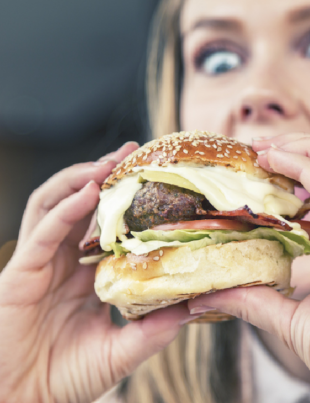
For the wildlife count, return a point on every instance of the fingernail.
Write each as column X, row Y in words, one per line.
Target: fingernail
column 201, row 309
column 262, row 152
column 262, row 138
column 129, row 142
column 188, row 319
column 275, row 147
column 89, row 183
column 103, row 161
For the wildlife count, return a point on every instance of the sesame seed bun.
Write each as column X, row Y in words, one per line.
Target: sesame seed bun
column 197, row 148
column 140, row 284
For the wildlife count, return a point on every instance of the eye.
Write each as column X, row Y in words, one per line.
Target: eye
column 303, row 45
column 220, row 62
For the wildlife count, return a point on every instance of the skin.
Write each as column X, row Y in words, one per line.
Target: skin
column 57, row 341
column 261, row 98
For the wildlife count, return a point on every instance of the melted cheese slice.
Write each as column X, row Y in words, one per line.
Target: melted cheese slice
column 112, row 206
column 225, row 189
column 228, row 190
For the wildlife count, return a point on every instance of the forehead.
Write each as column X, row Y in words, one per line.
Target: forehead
column 244, row 12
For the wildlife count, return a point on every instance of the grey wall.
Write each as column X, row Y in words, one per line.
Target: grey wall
column 71, row 89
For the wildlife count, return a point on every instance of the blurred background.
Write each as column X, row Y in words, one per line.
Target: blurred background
column 72, row 78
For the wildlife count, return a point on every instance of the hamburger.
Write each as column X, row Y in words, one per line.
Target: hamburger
column 192, row 213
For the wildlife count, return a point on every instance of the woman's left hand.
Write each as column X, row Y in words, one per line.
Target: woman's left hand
column 262, row 306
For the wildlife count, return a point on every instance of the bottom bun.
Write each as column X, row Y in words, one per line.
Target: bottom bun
column 137, row 285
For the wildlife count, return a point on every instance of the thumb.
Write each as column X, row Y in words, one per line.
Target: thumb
column 261, row 306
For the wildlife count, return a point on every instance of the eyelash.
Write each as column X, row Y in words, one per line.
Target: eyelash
column 208, row 49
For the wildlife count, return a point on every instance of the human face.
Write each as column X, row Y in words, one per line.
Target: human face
column 246, row 67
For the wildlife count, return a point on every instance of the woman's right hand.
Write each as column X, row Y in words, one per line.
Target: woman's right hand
column 262, row 306
column 57, row 341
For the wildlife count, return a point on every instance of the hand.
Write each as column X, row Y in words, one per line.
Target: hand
column 262, row 306
column 57, row 342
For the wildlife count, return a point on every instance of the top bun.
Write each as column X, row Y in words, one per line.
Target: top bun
column 197, row 148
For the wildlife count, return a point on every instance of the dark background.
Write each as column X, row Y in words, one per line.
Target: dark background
column 72, row 77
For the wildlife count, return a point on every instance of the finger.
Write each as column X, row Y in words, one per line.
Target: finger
column 65, row 183
column 54, row 227
column 122, row 152
column 292, row 165
column 261, row 306
column 58, row 187
column 260, row 144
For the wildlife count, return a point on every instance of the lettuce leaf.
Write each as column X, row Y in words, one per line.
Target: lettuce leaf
column 149, row 240
column 118, row 249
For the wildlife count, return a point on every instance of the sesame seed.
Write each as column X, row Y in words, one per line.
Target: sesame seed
column 243, row 159
column 219, row 149
column 220, row 155
column 174, row 152
column 118, row 172
column 161, row 253
column 156, row 258
column 229, row 146
column 256, row 164
column 185, row 151
column 235, row 156
column 144, row 158
column 238, row 151
column 144, row 265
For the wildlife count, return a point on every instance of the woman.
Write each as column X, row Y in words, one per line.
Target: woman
column 240, row 68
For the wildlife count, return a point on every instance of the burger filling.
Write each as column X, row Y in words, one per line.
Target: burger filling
column 194, row 206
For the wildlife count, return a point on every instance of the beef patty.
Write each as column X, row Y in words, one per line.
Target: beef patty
column 158, row 203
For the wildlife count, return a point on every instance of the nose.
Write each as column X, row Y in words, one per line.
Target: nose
column 263, row 105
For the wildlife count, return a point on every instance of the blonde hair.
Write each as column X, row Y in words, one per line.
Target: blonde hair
column 202, row 365
column 164, row 69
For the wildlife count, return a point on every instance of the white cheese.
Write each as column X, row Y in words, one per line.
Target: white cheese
column 112, row 206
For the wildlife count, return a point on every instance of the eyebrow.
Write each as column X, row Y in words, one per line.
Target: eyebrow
column 300, row 15
column 219, row 24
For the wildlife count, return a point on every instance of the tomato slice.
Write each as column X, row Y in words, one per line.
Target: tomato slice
column 305, row 225
column 206, row 224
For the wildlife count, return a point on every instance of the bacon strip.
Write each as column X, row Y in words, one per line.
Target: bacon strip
column 91, row 244
column 245, row 214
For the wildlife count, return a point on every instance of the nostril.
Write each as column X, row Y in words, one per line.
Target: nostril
column 246, row 111
column 276, row 108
